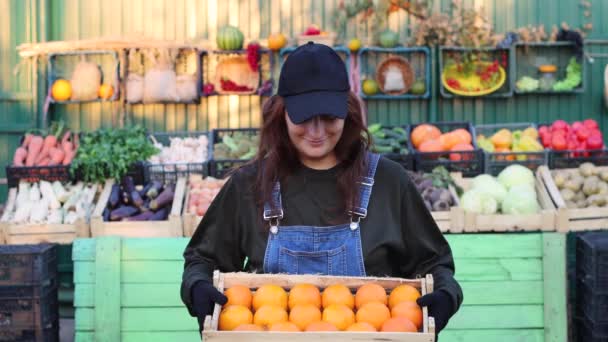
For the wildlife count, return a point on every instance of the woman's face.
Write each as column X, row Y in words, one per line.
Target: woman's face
column 316, row 138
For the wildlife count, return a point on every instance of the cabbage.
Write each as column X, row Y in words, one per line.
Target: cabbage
column 515, row 175
column 520, row 201
column 489, row 185
column 479, row 202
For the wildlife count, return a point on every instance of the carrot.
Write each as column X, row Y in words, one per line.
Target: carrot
column 35, row 146
column 68, row 157
column 20, row 155
column 49, row 142
column 26, row 140
column 57, row 156
column 44, row 162
column 66, row 144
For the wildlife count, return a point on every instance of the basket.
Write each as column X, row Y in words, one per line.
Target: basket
column 236, row 69
column 406, row 72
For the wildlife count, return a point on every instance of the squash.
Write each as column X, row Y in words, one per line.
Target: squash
column 276, row 41
column 423, row 133
column 461, row 156
column 502, row 139
column 465, row 136
column 432, row 145
column 449, row 140
column 229, row 38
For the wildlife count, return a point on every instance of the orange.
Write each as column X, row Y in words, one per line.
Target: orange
column 233, row 316
column 403, row 293
column 304, row 294
column 370, row 293
column 303, row 315
column 373, row 313
column 409, row 310
column 361, row 326
column 283, row 326
column 105, row 91
column 248, row 327
column 398, row 324
column 321, row 326
column 338, row 294
column 239, row 295
column 423, row 133
column 269, row 295
column 269, row 314
column 61, row 90
column 339, row 315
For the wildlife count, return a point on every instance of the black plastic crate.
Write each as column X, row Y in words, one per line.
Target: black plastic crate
column 592, row 304
column 495, row 162
column 470, row 163
column 31, row 174
column 570, row 159
column 592, row 260
column 27, row 291
column 27, row 334
column 169, row 172
column 219, row 168
column 405, row 160
column 589, row 331
column 27, row 264
column 30, row 311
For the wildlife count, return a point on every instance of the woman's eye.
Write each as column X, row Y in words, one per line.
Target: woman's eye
column 327, row 118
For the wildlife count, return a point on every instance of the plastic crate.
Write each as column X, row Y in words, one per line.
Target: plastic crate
column 219, row 168
column 30, row 312
column 494, row 162
column 27, row 264
column 22, row 334
column 588, row 331
column 405, row 160
column 569, row 159
column 592, row 304
column 170, row 172
column 470, row 163
column 26, row 291
column 592, row 260
column 31, row 174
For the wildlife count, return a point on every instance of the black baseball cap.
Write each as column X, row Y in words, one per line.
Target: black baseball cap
column 313, row 82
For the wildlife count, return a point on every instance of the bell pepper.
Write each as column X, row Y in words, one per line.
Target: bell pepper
column 502, row 139
column 531, row 132
column 485, row 144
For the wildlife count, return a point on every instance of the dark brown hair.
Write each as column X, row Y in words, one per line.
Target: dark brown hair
column 277, row 157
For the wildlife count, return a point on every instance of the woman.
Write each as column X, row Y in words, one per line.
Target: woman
column 315, row 201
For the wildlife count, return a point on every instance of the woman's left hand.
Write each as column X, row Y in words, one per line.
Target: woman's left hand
column 440, row 306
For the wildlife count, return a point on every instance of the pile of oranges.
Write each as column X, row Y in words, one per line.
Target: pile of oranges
column 306, row 308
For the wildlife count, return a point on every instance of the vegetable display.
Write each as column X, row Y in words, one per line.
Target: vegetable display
column 149, row 202
column 181, row 150
column 584, row 187
column 109, row 153
column 50, row 203
column 505, row 140
column 239, row 145
column 388, row 139
column 580, row 136
column 434, row 188
column 573, row 77
column 428, row 138
column 58, row 146
column 512, row 192
column 202, row 192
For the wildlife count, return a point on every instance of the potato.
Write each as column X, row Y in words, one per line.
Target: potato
column 588, row 169
column 567, row 194
column 560, row 178
column 574, row 184
column 590, row 186
column 604, row 175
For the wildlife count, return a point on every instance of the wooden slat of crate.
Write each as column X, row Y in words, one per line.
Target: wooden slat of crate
column 253, row 281
column 191, row 220
column 541, row 221
column 16, row 234
column 568, row 219
column 451, row 221
column 172, row 227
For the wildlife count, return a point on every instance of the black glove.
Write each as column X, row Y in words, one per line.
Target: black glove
column 204, row 297
column 440, row 306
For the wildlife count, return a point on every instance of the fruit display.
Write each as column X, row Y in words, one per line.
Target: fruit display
column 305, row 308
column 512, row 192
column 505, row 141
column 84, row 85
column 50, row 203
column 229, row 38
column 201, row 193
column 583, row 187
column 580, row 136
column 57, row 146
column 238, row 145
column 474, row 74
column 388, row 139
column 572, row 80
column 434, row 188
column 148, row 202
column 181, row 150
column 428, row 138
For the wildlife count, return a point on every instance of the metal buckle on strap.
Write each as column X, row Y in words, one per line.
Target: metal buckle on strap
column 362, row 213
column 268, row 216
column 354, row 224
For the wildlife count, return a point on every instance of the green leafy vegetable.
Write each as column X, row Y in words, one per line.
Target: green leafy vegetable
column 573, row 77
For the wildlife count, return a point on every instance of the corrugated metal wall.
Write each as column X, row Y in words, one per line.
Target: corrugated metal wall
column 31, row 20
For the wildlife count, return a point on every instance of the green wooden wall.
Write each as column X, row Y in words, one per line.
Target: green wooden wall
column 22, row 96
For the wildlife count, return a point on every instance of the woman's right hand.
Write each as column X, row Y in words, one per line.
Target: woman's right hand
column 204, row 297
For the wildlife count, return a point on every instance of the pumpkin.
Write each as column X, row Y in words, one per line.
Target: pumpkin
column 61, row 90
column 229, row 38
column 423, row 133
column 388, row 39
column 276, row 41
column 464, row 135
column 461, row 156
column 432, row 145
column 449, row 140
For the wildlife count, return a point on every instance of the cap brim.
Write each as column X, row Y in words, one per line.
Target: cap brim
column 303, row 107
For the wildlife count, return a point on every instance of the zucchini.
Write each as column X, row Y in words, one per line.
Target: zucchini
column 374, row 128
column 400, row 130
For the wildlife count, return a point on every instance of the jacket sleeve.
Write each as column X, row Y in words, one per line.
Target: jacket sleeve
column 215, row 243
column 427, row 249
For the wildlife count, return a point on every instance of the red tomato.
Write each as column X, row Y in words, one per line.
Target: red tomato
column 461, row 156
column 583, row 133
column 559, row 124
column 590, row 123
column 595, row 142
column 559, row 131
column 546, row 139
column 558, row 142
column 576, row 125
column 543, row 130
column 572, row 145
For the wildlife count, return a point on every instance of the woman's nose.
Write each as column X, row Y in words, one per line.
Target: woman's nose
column 315, row 125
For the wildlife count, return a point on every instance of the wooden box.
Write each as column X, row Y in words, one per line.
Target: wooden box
column 568, row 219
column 172, row 227
column 190, row 220
column 253, row 281
column 541, row 221
column 451, row 221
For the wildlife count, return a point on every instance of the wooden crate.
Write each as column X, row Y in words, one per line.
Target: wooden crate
column 541, row 221
column 567, row 219
column 17, row 234
column 172, row 227
column 451, row 221
column 190, row 221
column 253, row 281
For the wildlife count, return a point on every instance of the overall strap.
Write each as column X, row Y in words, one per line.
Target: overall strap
column 365, row 188
column 273, row 211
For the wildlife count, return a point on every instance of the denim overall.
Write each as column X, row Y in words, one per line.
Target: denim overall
column 333, row 250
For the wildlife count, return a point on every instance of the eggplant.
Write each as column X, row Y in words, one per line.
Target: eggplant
column 137, row 200
column 106, row 214
column 114, row 195
column 144, row 191
column 145, row 216
column 128, row 187
column 160, row 215
column 165, row 198
column 154, row 190
column 122, row 212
